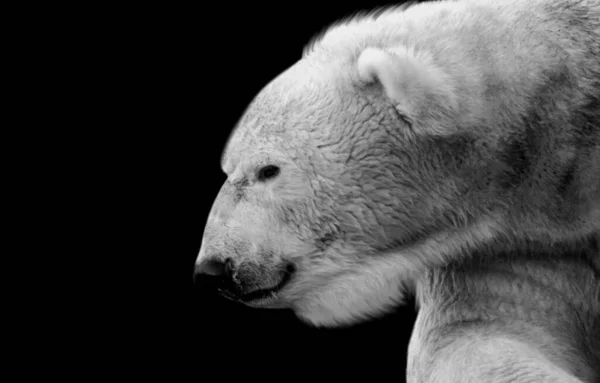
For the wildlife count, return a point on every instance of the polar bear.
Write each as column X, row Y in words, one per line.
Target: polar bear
column 449, row 150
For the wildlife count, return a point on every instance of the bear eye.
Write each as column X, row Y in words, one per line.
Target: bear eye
column 268, row 172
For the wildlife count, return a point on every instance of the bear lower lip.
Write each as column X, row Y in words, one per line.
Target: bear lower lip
column 266, row 293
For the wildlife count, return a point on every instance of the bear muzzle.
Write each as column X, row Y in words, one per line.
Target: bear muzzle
column 244, row 284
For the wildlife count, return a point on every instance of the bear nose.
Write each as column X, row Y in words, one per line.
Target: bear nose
column 213, row 273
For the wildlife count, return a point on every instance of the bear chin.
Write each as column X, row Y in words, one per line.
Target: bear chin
column 350, row 302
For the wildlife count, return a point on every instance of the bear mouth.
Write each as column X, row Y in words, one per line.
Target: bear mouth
column 262, row 294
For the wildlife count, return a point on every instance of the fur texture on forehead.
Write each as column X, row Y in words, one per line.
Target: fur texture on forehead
column 285, row 113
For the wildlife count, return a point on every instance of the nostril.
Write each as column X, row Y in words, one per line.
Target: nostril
column 211, row 267
column 213, row 273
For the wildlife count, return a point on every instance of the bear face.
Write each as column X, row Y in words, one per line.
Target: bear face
column 371, row 160
column 345, row 190
column 294, row 207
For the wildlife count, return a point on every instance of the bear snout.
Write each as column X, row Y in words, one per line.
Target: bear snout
column 245, row 283
column 214, row 275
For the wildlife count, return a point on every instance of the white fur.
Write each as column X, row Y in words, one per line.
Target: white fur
column 380, row 284
column 410, row 79
column 407, row 143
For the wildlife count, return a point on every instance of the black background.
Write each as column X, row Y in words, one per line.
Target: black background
column 202, row 66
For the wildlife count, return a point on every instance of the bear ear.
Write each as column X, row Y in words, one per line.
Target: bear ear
column 411, row 82
column 378, row 66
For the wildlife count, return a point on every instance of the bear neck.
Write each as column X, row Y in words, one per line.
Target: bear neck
column 548, row 299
